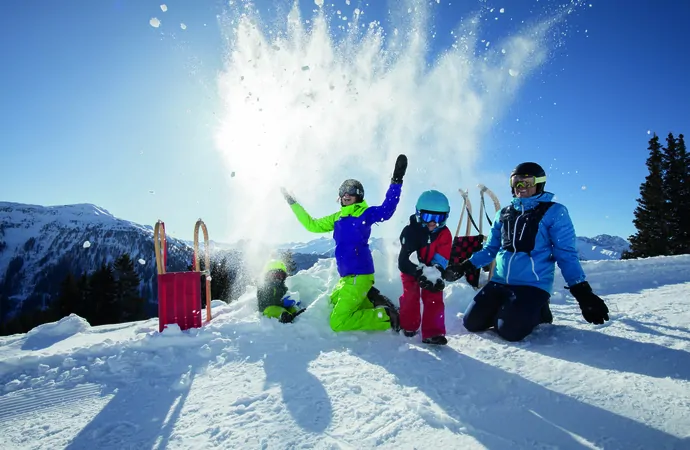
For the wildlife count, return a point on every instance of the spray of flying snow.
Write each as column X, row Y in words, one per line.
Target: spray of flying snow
column 154, row 22
column 164, row 7
column 305, row 110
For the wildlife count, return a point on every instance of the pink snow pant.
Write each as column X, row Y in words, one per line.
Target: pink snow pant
column 432, row 320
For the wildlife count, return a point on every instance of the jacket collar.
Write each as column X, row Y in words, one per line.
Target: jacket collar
column 531, row 202
column 354, row 210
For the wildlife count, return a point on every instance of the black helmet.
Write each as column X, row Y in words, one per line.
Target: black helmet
column 352, row 187
column 530, row 169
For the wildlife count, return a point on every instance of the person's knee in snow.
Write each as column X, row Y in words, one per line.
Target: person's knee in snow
column 481, row 313
column 512, row 329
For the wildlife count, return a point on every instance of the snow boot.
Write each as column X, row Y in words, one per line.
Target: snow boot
column 377, row 299
column 546, row 316
column 410, row 333
column 435, row 340
column 394, row 316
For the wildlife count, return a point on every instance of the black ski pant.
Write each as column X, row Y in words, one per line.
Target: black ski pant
column 513, row 311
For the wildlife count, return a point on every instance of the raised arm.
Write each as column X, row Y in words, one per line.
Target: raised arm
column 322, row 225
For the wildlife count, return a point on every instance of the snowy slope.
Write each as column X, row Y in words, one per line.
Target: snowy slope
column 248, row 382
column 40, row 244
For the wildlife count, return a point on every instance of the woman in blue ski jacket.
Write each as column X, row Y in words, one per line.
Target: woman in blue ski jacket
column 527, row 239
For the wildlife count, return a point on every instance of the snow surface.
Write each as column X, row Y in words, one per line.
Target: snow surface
column 244, row 381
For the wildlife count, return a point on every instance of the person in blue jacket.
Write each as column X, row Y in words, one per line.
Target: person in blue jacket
column 527, row 239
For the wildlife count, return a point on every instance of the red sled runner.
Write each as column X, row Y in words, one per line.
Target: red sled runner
column 465, row 246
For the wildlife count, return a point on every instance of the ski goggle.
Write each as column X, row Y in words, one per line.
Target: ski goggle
column 525, row 181
column 430, row 216
column 349, row 190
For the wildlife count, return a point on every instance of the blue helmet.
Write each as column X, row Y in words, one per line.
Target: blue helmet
column 433, row 206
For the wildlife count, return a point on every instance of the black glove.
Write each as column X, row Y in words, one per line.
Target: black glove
column 438, row 286
column 286, row 317
column 594, row 310
column 400, row 169
column 425, row 283
column 453, row 273
column 289, row 198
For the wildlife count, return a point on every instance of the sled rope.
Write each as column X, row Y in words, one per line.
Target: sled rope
column 466, row 207
column 464, row 246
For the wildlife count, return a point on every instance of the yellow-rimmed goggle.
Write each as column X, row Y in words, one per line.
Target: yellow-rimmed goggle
column 525, row 181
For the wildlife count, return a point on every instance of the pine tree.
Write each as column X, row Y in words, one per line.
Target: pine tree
column 683, row 240
column 673, row 169
column 127, row 295
column 69, row 298
column 220, row 279
column 651, row 238
column 102, row 302
column 83, row 305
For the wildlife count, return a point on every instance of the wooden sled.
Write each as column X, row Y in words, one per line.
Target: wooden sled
column 465, row 245
column 179, row 293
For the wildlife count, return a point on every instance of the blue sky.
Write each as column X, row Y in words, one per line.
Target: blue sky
column 98, row 106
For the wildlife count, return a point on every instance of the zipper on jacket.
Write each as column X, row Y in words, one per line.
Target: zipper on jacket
column 522, row 231
column 533, row 271
column 510, row 261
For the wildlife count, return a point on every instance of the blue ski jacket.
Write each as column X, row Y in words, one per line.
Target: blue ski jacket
column 527, row 239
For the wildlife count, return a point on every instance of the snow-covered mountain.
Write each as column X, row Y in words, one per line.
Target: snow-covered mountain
column 601, row 247
column 39, row 245
column 319, row 246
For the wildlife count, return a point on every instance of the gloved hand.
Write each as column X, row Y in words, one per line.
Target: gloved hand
column 400, row 169
column 286, row 317
column 594, row 310
column 423, row 281
column 288, row 197
column 289, row 302
column 453, row 273
column 439, row 286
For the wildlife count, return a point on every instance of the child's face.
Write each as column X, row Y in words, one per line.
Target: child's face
column 431, row 226
column 348, row 199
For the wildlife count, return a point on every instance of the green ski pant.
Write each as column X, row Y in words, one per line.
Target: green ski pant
column 274, row 312
column 352, row 310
